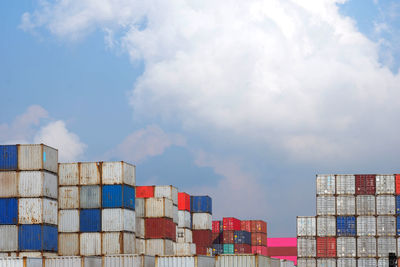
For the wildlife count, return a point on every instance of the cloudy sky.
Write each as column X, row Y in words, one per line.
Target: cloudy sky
column 245, row 101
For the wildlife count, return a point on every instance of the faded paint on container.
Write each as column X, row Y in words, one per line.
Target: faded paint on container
column 90, row 244
column 118, row 243
column 184, row 235
column 201, row 221
column 158, row 207
column 346, row 247
column 383, row 262
column 366, row 246
column 244, row 260
column 118, row 196
column 386, row 226
column 73, row 261
column 68, row 173
column 8, row 184
column 118, row 220
column 118, row 173
column 128, row 261
column 184, row 219
column 185, row 261
column 306, row 226
column 9, row 238
column 306, row 262
column 90, row 197
column 185, row 249
column 326, row 184
column 366, row 226
column 8, row 157
column 139, row 207
column 345, row 184
column 32, row 254
column 367, row 262
column 140, row 246
column 167, row 191
column 37, row 210
column 160, row 228
column 160, row 247
column 140, row 229
column 90, row 173
column 346, row 262
column 326, row 226
column 37, row 157
column 385, row 184
column 306, row 247
column 345, row 205
column 68, row 221
column 68, row 244
column 326, row 205
column 365, row 205
column 385, row 205
column 37, row 184
column 326, row 262
column 21, row 262
column 68, row 197
column 386, row 245
column 175, row 217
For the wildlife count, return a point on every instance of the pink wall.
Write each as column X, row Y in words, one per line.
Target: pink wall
column 282, row 242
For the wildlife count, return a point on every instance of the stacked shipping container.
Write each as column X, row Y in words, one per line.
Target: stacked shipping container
column 28, row 200
column 201, row 213
column 184, row 236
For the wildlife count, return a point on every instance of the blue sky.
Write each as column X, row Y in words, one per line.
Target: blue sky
column 247, row 106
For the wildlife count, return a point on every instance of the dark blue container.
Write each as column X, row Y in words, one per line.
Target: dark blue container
column 242, row 237
column 398, row 225
column 200, row 204
column 346, row 226
column 90, row 220
column 397, row 204
column 8, row 157
column 8, row 211
column 118, row 196
column 37, row 237
column 218, row 249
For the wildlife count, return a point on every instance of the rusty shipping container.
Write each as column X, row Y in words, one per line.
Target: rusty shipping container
column 160, row 228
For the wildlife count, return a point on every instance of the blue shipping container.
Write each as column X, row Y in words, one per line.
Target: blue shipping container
column 398, row 225
column 346, row 226
column 218, row 249
column 37, row 237
column 118, row 196
column 90, row 220
column 397, row 204
column 8, row 211
column 8, row 157
column 200, row 204
column 242, row 237
column 229, row 249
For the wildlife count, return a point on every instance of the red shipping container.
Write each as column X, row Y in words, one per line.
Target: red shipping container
column 365, row 184
column 160, row 228
column 397, row 184
column 144, row 191
column 326, row 247
column 261, row 250
column 242, row 249
column 216, row 226
column 216, row 238
column 245, row 226
column 258, row 239
column 231, row 224
column 183, row 201
column 282, row 251
column 202, row 238
column 200, row 250
column 228, row 237
column 258, row 227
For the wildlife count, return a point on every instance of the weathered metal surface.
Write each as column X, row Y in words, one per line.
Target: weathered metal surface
column 37, row 184
column 8, row 238
column 346, row 247
column 140, row 246
column 140, row 229
column 118, row 173
column 301, row 262
column 68, row 173
column 386, row 226
column 90, row 173
column 366, row 246
column 243, row 261
column 8, row 157
column 326, row 226
column 345, row 184
column 326, row 184
column 366, row 205
column 37, row 237
column 326, row 262
column 185, row 249
column 345, row 262
column 128, row 261
column 306, row 247
column 385, row 184
column 90, row 197
column 118, row 243
column 345, row 205
column 8, row 184
column 184, row 235
column 185, row 261
column 306, row 226
column 326, row 205
column 366, row 262
column 161, row 247
column 386, row 245
column 385, row 205
column 167, row 191
column 118, row 220
column 68, row 197
column 37, row 157
column 184, row 219
column 36, row 210
column 139, row 207
column 158, row 207
column 366, row 226
column 201, row 221
column 68, row 221
column 68, row 244
column 21, row 262
column 90, row 244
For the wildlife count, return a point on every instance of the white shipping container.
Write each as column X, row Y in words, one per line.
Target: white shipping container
column 161, row 247
column 345, row 184
column 366, row 226
column 167, row 191
column 385, row 184
column 37, row 184
column 90, row 244
column 175, row 217
column 306, row 247
column 89, row 173
column 20, row 262
column 184, row 219
column 184, row 235
column 68, row 221
column 37, row 210
column 326, row 205
column 8, row 254
column 306, row 226
column 326, row 226
column 367, row 262
column 385, row 205
column 128, row 261
column 72, row 262
column 326, row 184
column 246, row 260
column 140, row 229
column 90, row 197
column 346, row 262
column 118, row 173
column 118, row 243
column 8, row 238
column 201, row 221
column 118, row 220
column 346, row 247
column 386, row 245
column 326, row 262
column 140, row 246
column 37, row 157
column 366, row 246
column 139, row 207
column 68, row 173
column 185, row 261
column 68, row 244
column 365, row 205
column 185, row 249
column 158, row 207
column 8, row 184
column 383, row 262
column 68, row 197
column 386, row 226
column 305, row 262
column 346, row 205
column 36, row 254
column 398, row 245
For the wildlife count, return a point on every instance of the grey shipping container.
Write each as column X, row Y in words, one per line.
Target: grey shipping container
column 185, row 261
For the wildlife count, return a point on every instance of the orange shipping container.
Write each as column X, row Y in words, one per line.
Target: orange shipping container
column 258, row 226
column 258, row 239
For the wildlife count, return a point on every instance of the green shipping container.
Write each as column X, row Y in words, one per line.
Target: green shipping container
column 229, row 249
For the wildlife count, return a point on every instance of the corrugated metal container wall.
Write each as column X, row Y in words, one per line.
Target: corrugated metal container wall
column 346, row 247
column 306, row 262
column 326, row 184
column 231, row 224
column 346, row 225
column 385, row 205
column 367, row 262
column 128, row 261
column 184, row 235
column 366, row 226
column 185, row 261
column 175, row 216
column 139, row 207
column 365, row 184
column 366, row 247
column 345, row 184
column 242, row 237
column 158, row 207
column 68, row 173
column 326, row 225
column 90, row 220
column 242, row 249
column 386, row 245
column 385, row 184
column 140, row 228
column 346, row 262
column 118, row 243
column 90, row 244
column 68, row 244
column 167, row 191
column 157, row 228
column 383, row 262
column 63, row 262
column 161, row 247
column 183, row 201
column 326, row 262
column 8, row 157
column 398, row 204
column 184, row 219
column 306, row 226
column 243, row 261
column 37, row 238
column 118, row 173
column 144, row 191
column 244, row 226
column 118, row 220
column 326, row 205
column 37, row 157
column 9, row 238
column 37, row 184
column 140, row 246
column 90, row 197
column 118, row 196
column 386, row 226
column 258, row 239
column 365, row 205
column 200, row 204
column 202, row 237
column 8, row 184
column 21, row 262
column 345, row 205
column 306, row 247
column 258, row 226
column 68, row 197
column 185, row 249
column 228, row 237
column 68, row 221
column 201, row 221
column 9, row 211
column 326, row 247
column 37, row 210
column 89, row 173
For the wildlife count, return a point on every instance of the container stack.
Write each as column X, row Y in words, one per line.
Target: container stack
column 201, row 212
column 258, row 234
column 184, row 239
column 28, row 200
column 142, row 192
column 97, row 208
